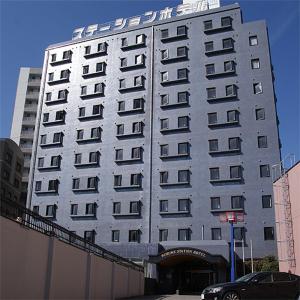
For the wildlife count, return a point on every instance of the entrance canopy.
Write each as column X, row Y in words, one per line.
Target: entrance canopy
column 185, row 254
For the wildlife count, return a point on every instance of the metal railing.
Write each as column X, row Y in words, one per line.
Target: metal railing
column 28, row 218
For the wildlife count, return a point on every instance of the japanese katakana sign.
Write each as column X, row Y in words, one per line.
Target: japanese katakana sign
column 146, row 18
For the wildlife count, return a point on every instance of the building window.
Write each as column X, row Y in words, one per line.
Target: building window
column 182, row 97
column 182, row 74
column 228, row 66
column 85, row 70
column 164, row 124
column 87, row 49
column 115, row 235
column 48, row 96
column 139, row 59
column 41, row 162
column 211, row 93
column 90, row 209
column 216, row 234
column 138, row 81
column 117, row 208
column 135, row 179
column 255, row 64
column 257, row 88
column 62, row 94
column 268, row 233
column 262, row 141
column 78, row 158
column 184, row 205
column 74, row 209
column 164, row 33
column 232, row 116
column 183, row 176
column 134, row 207
column 213, row 145
column 45, row 117
column 96, row 110
column 60, row 115
column 38, row 186
column 136, row 153
column 76, row 183
column 36, row 209
column 163, row 235
column 140, row 39
column 260, row 114
column 237, row 202
column 164, row 99
column 212, row 118
column 235, row 172
column 134, row 236
column 124, row 42
column 230, row 90
column 93, row 157
column 53, row 57
column 64, row 74
column 91, row 183
column 136, row 127
column 210, row 69
column 164, row 150
column 164, row 177
column 43, row 139
column 164, row 54
column 51, row 211
column 208, row 25
column 98, row 88
column 226, row 21
column 101, row 47
column 80, row 134
column 120, row 129
column 121, row 106
column 53, row 185
column 164, row 76
column 183, row 122
column 227, row 43
column 138, row 103
column 55, row 160
column 253, row 40
column 266, row 201
column 57, row 137
column 215, row 203
column 181, row 30
column 119, row 154
column 239, row 233
column 234, row 143
column 181, row 51
column 95, row 133
column 184, row 235
column 183, row 148
column 100, row 67
column 83, row 90
column 67, row 54
column 117, row 180
column 122, row 84
column 264, row 170
column 209, row 46
column 89, row 236
column 214, row 173
column 50, row 76
column 163, row 205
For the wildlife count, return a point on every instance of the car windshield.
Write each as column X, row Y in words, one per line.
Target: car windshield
column 246, row 278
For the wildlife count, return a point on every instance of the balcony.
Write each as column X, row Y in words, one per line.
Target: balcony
column 222, row 99
column 52, row 145
column 225, row 124
column 134, row 46
column 86, row 165
column 132, row 88
column 29, row 121
column 176, row 156
column 218, row 29
column 55, row 122
column 219, row 51
column 94, row 74
column 86, row 216
column 228, row 180
column 128, row 187
column 174, row 130
column 33, row 96
column 59, row 81
column 170, row 60
column 225, row 152
column 89, row 140
column 173, row 38
column 130, row 135
column 174, row 184
column 90, row 117
column 133, row 67
column 129, row 215
column 174, row 105
column 128, row 161
column 85, row 190
column 96, row 54
column 49, row 168
column 221, row 74
column 94, row 95
column 131, row 111
column 61, row 62
column 30, row 108
column 175, row 81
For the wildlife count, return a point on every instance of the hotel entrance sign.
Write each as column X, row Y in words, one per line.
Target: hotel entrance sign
column 146, row 18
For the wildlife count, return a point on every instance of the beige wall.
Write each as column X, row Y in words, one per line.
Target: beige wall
column 36, row 266
column 294, row 195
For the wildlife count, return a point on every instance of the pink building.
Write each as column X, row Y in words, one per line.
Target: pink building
column 287, row 212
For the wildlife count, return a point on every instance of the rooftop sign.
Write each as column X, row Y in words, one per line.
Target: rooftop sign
column 146, row 18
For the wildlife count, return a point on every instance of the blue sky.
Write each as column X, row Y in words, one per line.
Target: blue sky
column 28, row 27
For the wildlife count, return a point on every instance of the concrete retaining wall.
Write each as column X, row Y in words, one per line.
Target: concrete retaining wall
column 36, row 266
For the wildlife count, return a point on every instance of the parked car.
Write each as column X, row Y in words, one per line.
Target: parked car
column 256, row 286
